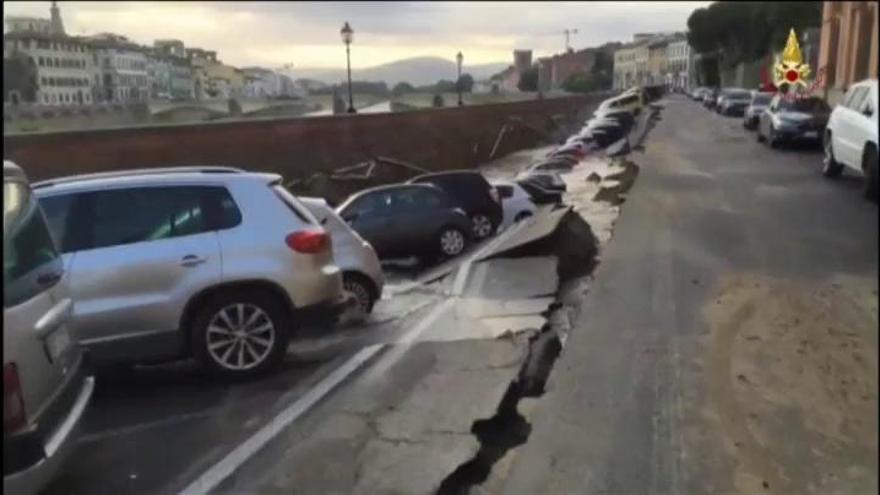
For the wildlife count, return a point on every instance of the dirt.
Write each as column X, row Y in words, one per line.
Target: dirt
column 791, row 380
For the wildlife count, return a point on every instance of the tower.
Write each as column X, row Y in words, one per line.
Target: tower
column 57, row 27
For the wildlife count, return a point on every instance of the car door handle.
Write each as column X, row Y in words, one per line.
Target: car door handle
column 53, row 318
column 48, row 279
column 192, row 260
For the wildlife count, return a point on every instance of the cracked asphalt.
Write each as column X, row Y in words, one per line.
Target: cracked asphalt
column 442, row 350
column 728, row 342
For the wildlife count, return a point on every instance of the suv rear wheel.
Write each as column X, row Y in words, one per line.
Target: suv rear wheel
column 241, row 334
column 364, row 295
column 830, row 167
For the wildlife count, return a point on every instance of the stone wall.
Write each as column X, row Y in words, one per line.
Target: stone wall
column 435, row 139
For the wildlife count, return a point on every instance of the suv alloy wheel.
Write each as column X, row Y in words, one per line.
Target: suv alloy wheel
column 241, row 334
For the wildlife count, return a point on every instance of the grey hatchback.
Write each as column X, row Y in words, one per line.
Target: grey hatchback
column 408, row 219
column 46, row 385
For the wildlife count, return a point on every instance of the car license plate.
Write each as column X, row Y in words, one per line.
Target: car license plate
column 57, row 343
column 811, row 134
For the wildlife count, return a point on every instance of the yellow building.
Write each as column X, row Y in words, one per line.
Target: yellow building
column 848, row 46
column 212, row 78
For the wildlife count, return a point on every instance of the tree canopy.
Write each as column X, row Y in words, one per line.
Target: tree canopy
column 746, row 31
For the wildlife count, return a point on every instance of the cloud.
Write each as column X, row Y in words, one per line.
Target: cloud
column 307, row 33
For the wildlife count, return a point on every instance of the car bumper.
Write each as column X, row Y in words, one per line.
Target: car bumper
column 798, row 134
column 31, row 458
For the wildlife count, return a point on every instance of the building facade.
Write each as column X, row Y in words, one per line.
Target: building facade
column 64, row 71
column 62, row 63
column 170, row 77
column 656, row 63
column 120, row 69
column 848, row 46
column 554, row 71
column 679, row 65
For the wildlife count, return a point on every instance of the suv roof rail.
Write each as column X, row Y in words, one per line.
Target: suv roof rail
column 137, row 172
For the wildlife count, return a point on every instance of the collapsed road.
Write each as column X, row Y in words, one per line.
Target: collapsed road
column 425, row 396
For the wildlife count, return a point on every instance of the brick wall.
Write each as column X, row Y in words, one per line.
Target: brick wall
column 434, row 139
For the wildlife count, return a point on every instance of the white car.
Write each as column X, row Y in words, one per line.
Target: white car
column 850, row 138
column 515, row 201
column 362, row 277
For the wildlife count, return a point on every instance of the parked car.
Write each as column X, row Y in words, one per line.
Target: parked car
column 709, row 97
column 473, row 193
column 601, row 137
column 561, row 164
column 518, row 204
column 624, row 117
column 409, row 220
column 362, row 276
column 757, row 105
column 613, row 129
column 697, row 93
column 538, row 194
column 631, row 102
column 210, row 262
column 545, row 179
column 577, row 149
column 850, row 139
column 47, row 385
column 785, row 120
column 734, row 102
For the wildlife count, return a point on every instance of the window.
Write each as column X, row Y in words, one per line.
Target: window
column 27, row 244
column 867, row 107
column 858, row 97
column 126, row 216
column 290, row 201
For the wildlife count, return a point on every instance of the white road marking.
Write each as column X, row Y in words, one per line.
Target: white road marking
column 211, row 478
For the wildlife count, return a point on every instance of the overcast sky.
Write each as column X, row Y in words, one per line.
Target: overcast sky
column 306, row 34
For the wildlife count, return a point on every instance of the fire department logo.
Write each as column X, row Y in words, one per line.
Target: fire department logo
column 791, row 69
column 791, row 76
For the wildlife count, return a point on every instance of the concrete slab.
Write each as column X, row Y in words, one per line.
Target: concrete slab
column 513, row 278
column 401, row 433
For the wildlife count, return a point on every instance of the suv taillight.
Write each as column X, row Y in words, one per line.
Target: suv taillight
column 14, row 415
column 308, row 241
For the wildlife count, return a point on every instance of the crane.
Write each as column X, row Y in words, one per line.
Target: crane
column 567, row 33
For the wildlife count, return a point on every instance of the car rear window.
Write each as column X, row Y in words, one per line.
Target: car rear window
column 761, row 100
column 290, row 201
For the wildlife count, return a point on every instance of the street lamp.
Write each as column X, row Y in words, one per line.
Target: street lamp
column 459, row 58
column 347, row 36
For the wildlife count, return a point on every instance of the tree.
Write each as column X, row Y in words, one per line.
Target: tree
column 402, row 88
column 445, row 86
column 747, row 31
column 465, row 83
column 19, row 79
column 528, row 80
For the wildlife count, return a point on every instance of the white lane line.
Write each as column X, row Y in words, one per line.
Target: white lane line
column 211, row 478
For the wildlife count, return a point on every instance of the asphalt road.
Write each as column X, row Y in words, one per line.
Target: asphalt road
column 647, row 396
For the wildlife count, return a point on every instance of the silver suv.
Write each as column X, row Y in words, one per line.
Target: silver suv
column 211, row 262
column 46, row 385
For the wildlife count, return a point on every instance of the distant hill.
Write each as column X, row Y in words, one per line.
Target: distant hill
column 417, row 71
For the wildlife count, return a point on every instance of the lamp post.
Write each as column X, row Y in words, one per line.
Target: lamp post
column 347, row 36
column 459, row 58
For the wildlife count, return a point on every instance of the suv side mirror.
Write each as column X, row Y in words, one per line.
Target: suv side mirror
column 350, row 216
column 867, row 112
column 505, row 192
